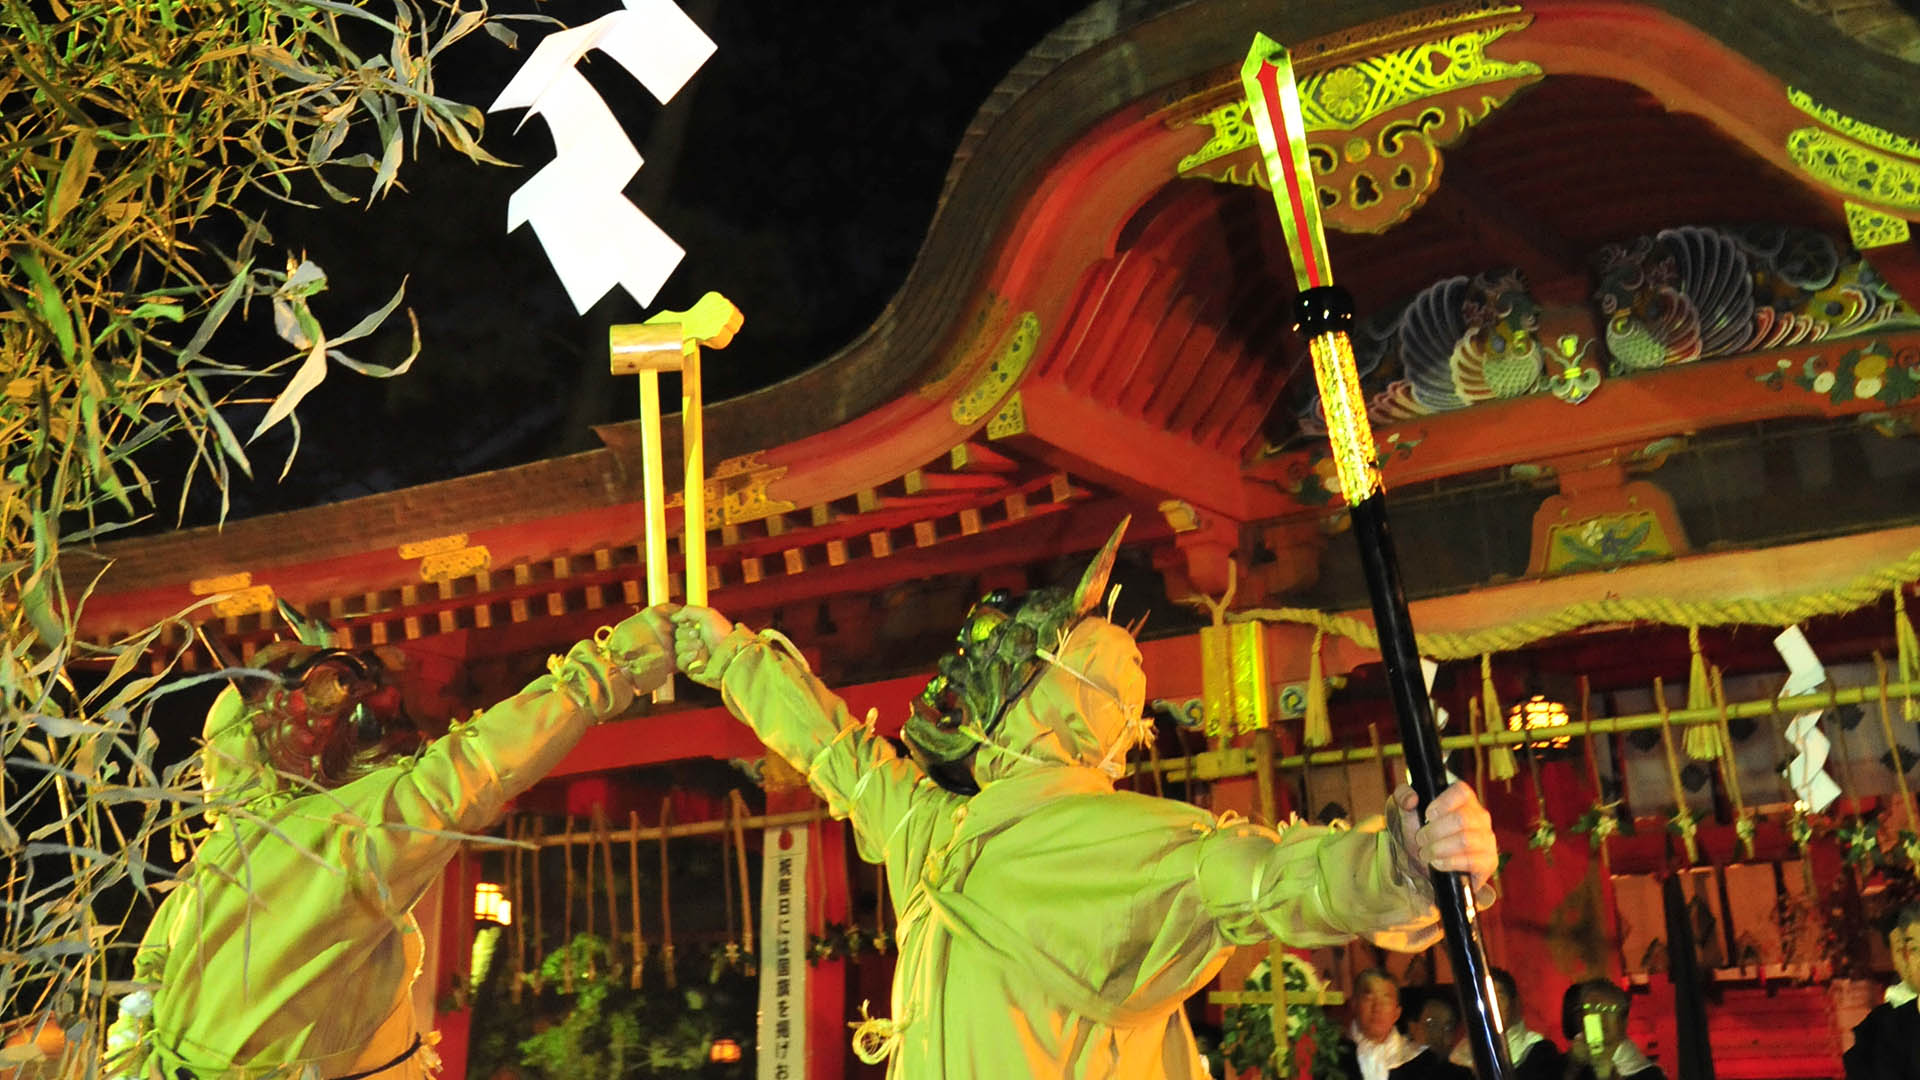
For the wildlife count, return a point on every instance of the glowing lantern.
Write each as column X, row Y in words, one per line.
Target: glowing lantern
column 724, row 1051
column 491, row 905
column 1539, row 712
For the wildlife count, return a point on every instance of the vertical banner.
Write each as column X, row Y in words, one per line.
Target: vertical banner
column 783, row 954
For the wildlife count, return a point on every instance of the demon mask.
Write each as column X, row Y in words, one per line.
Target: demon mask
column 1002, row 648
column 323, row 715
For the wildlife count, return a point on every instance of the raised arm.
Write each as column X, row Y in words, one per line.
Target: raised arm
column 416, row 811
column 465, row 778
column 770, row 689
column 1311, row 886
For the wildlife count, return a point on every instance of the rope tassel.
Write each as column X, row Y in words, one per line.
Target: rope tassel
column 1683, row 822
column 1703, row 740
column 1500, row 764
column 1319, row 730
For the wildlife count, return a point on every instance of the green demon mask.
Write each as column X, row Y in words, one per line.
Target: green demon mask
column 1001, row 650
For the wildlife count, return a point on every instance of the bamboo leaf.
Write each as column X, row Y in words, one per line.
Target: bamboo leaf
column 47, row 301
column 304, row 279
column 222, row 307
column 283, row 63
column 169, row 310
column 37, row 602
column 65, row 192
column 327, row 139
column 228, row 443
column 61, row 727
column 381, row 371
column 354, row 12
column 467, row 23
column 312, row 371
column 372, row 322
column 128, row 655
column 390, row 160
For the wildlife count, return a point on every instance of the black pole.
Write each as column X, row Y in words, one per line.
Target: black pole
column 1683, row 970
column 1328, row 310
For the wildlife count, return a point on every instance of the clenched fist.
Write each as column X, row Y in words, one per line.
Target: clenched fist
column 696, row 634
column 1458, row 835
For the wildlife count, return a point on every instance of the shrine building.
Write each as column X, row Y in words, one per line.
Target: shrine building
column 1634, row 282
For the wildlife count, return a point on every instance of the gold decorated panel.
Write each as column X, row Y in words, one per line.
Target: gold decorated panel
column 1376, row 123
column 1867, row 164
column 736, row 491
column 1010, row 361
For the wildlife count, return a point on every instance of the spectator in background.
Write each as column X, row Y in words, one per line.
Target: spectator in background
column 1593, row 1016
column 1374, row 1048
column 1886, row 1044
column 1438, row 1022
column 1534, row 1056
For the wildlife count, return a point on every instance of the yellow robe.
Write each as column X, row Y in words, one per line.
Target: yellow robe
column 289, row 948
column 1051, row 926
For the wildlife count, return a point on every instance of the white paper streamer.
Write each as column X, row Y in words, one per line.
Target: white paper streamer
column 595, row 238
column 1806, row 773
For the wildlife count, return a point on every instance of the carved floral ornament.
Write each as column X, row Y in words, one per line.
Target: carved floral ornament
column 1013, row 353
column 1376, row 124
column 1878, row 168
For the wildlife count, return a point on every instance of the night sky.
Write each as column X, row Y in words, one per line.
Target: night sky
column 818, row 141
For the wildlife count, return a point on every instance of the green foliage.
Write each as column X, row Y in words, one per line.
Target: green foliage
column 140, row 143
column 1248, row 1043
column 1600, row 821
column 1543, row 837
column 1859, row 840
column 603, row 1030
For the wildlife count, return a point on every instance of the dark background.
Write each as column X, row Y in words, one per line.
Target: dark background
column 816, row 141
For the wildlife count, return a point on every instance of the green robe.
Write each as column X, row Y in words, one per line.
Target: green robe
column 1051, row 926
column 289, row 947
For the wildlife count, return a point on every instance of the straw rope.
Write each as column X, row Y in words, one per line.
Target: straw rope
column 1866, row 589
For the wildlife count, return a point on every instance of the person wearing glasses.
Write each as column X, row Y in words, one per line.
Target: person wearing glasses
column 1593, row 1017
column 1374, row 1048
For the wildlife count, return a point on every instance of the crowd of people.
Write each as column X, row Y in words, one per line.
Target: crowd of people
column 1593, row 1020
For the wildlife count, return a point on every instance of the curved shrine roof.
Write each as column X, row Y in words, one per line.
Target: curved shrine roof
column 1094, row 322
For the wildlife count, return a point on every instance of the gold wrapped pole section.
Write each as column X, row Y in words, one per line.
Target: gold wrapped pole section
column 1354, row 457
column 1233, row 666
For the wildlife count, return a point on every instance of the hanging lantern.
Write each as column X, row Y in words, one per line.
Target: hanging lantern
column 490, row 904
column 724, row 1051
column 1536, row 713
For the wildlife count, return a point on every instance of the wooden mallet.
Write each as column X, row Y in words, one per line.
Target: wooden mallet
column 671, row 341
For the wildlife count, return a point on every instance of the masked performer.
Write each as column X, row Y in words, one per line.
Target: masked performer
column 1048, row 924
column 289, row 947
